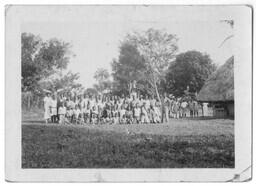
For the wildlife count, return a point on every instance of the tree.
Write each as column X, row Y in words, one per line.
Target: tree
column 41, row 59
column 30, row 45
column 58, row 81
column 102, row 77
column 129, row 67
column 91, row 91
column 191, row 69
column 158, row 49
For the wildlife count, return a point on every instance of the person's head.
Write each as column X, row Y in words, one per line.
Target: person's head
column 48, row 94
column 141, row 97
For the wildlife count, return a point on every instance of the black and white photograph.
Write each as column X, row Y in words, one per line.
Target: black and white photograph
column 132, row 87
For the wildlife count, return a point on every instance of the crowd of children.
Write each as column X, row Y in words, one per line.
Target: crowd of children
column 97, row 109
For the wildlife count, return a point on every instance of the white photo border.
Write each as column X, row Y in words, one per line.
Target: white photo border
column 16, row 15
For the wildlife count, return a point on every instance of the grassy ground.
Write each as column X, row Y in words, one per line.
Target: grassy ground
column 180, row 143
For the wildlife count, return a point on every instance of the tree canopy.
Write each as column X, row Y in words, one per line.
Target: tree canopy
column 103, row 82
column 191, row 69
column 145, row 57
column 40, row 59
column 129, row 66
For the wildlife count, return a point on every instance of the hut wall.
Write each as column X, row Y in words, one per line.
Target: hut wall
column 230, row 108
column 224, row 109
column 219, row 111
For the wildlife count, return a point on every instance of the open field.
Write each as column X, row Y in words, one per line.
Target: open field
column 185, row 143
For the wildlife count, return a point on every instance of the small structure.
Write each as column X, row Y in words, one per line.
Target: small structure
column 218, row 90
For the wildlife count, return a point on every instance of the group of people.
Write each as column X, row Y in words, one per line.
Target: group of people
column 98, row 109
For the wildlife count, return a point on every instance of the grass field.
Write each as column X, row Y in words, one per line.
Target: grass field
column 178, row 144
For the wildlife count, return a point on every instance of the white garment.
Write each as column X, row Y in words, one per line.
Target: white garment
column 71, row 104
column 147, row 103
column 62, row 110
column 77, row 112
column 47, row 104
column 53, row 107
column 91, row 103
column 122, row 113
column 153, row 102
column 137, row 112
column 205, row 109
column 144, row 117
column 184, row 104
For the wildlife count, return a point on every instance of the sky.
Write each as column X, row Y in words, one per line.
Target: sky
column 96, row 32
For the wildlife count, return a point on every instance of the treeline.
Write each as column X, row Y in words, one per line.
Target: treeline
column 151, row 60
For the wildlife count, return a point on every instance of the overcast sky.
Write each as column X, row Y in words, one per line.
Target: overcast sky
column 95, row 32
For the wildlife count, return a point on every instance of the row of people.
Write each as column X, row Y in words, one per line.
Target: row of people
column 115, row 109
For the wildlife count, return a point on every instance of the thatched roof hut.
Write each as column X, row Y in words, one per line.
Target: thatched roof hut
column 220, row 86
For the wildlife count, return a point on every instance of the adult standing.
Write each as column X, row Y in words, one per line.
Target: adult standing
column 167, row 103
column 205, row 109
column 47, row 110
column 184, row 105
column 54, row 109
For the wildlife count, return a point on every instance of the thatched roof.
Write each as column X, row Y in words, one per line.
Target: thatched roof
column 220, row 85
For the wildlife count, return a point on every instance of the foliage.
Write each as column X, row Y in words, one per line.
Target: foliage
column 191, row 69
column 41, row 59
column 158, row 49
column 59, row 81
column 102, row 77
column 91, row 91
column 129, row 66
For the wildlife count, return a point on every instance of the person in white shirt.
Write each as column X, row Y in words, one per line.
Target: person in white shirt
column 205, row 109
column 147, row 103
column 62, row 113
column 47, row 110
column 77, row 114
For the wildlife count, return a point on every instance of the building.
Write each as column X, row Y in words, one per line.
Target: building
column 218, row 90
